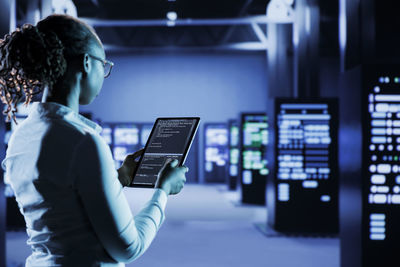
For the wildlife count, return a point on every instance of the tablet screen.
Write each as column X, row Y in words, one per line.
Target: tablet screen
column 170, row 138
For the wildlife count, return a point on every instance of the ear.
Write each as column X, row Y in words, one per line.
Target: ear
column 85, row 64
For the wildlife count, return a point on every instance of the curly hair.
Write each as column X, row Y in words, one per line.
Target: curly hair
column 35, row 57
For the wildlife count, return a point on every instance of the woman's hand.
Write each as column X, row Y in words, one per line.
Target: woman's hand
column 172, row 177
column 128, row 167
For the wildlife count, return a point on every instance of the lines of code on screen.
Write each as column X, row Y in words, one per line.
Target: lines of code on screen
column 169, row 141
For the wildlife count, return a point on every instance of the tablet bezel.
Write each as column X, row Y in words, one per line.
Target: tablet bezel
column 185, row 153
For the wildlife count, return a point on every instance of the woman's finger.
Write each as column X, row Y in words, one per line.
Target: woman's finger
column 136, row 154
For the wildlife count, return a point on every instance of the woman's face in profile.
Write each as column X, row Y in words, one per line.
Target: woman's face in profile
column 93, row 82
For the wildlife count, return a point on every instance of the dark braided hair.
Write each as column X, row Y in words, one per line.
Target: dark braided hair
column 35, row 57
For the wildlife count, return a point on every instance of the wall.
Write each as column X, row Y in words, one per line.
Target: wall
column 215, row 86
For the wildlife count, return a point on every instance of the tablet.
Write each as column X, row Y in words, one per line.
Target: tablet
column 170, row 138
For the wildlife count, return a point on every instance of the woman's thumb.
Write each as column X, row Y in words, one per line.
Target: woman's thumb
column 174, row 163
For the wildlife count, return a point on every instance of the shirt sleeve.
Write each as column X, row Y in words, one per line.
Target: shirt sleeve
column 123, row 236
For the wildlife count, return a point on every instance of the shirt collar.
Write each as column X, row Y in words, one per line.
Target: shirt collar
column 56, row 110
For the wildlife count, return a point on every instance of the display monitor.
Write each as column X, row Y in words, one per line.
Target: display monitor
column 107, row 133
column 216, row 152
column 306, row 175
column 125, row 141
column 381, row 165
column 234, row 154
column 120, row 153
column 145, row 131
column 253, row 162
column 126, row 135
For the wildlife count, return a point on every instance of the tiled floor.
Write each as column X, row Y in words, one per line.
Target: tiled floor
column 204, row 227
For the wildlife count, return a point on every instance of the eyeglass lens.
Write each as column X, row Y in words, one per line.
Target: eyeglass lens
column 107, row 69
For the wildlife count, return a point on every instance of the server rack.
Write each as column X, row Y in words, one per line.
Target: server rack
column 306, row 180
column 192, row 162
column 125, row 141
column 253, row 162
column 380, row 234
column 215, row 152
column 234, row 154
column 145, row 130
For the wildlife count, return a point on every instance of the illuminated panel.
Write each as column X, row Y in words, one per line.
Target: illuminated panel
column 106, row 134
column 381, row 165
column 254, row 171
column 125, row 141
column 216, row 152
column 120, row 152
column 126, row 135
column 306, row 165
column 303, row 143
column 145, row 133
column 234, row 151
column 255, row 139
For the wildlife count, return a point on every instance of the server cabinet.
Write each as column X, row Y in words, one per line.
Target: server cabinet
column 306, row 180
column 145, row 130
column 125, row 141
column 215, row 152
column 380, row 234
column 192, row 162
column 107, row 134
column 234, row 154
column 253, row 162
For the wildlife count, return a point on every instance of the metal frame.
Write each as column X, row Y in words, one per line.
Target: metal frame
column 252, row 21
column 41, row 8
column 185, row 22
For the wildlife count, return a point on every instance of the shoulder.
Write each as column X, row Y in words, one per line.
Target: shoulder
column 50, row 126
column 93, row 161
column 92, row 142
column 91, row 146
column 54, row 135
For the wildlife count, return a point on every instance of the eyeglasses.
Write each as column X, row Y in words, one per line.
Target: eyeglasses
column 106, row 64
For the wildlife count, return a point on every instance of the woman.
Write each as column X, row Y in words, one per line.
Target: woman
column 58, row 165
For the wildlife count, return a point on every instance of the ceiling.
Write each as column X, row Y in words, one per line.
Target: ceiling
column 189, row 36
column 157, row 9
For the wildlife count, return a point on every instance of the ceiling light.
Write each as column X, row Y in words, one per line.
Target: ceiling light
column 171, row 15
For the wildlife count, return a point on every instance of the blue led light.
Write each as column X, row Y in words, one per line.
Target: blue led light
column 377, row 226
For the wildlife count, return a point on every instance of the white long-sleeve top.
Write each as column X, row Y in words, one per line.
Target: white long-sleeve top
column 67, row 188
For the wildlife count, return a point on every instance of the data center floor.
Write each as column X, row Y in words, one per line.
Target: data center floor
column 206, row 227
